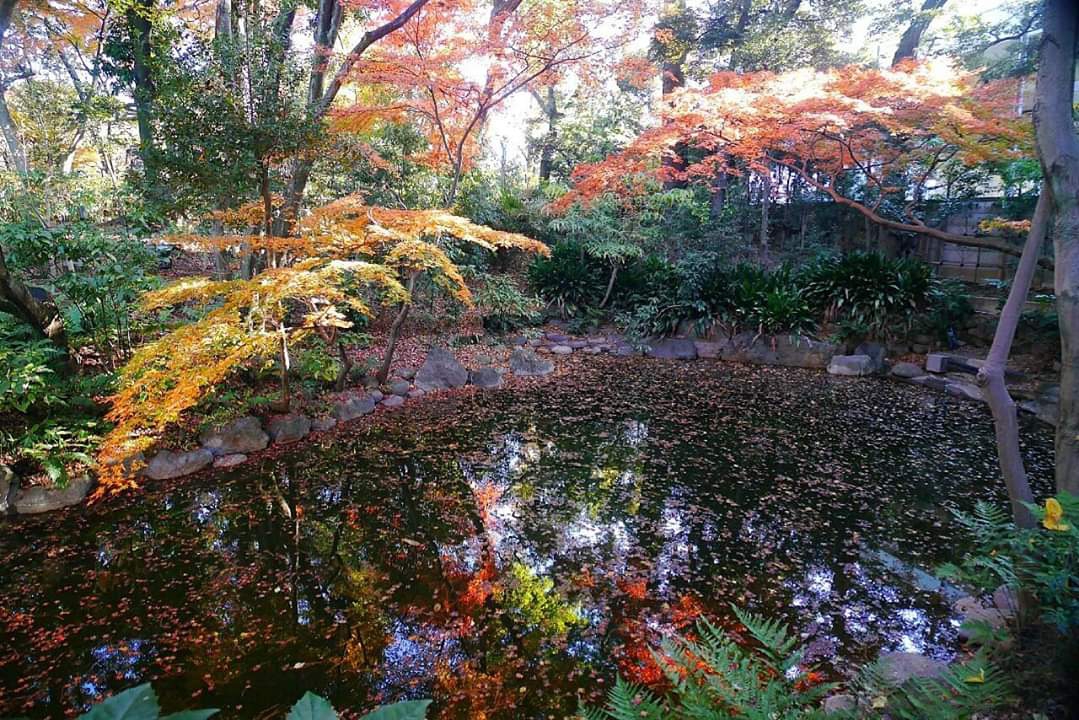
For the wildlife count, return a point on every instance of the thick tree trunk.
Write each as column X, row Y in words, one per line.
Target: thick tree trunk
column 395, row 331
column 1058, row 150
column 991, row 374
column 911, row 38
column 140, row 28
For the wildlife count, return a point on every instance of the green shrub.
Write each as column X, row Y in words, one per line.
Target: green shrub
column 1043, row 561
column 504, row 308
column 140, row 703
column 28, row 379
column 948, row 307
column 867, row 290
column 568, row 279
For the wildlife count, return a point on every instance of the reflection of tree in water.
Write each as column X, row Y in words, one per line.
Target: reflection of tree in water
column 501, row 551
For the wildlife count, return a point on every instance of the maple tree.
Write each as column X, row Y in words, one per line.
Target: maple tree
column 870, row 140
column 306, row 280
column 427, row 69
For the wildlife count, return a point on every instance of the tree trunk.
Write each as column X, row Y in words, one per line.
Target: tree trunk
column 346, row 366
column 991, row 374
column 610, row 285
column 41, row 314
column 285, row 403
column 1058, row 151
column 911, row 38
column 11, row 137
column 143, row 87
column 766, row 199
column 395, row 331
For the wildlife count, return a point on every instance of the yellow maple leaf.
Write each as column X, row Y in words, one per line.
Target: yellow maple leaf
column 1054, row 516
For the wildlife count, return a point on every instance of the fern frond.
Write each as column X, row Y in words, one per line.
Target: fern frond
column 777, row 643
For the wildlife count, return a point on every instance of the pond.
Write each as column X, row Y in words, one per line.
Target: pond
column 508, row 552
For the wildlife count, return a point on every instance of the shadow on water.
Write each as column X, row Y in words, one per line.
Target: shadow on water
column 508, row 552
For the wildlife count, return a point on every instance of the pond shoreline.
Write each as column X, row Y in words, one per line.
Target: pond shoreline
column 533, row 358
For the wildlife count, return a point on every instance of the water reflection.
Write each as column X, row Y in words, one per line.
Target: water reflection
column 507, row 553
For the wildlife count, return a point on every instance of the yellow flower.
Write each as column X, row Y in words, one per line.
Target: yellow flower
column 1054, row 516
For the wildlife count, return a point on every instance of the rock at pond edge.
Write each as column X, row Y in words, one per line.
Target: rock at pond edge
column 525, row 363
column 851, row 365
column 242, row 435
column 441, row 370
column 37, row 499
column 288, row 428
column 167, row 464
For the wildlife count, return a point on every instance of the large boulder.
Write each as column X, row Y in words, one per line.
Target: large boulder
column 393, row 401
column 898, row 667
column 401, row 387
column 782, row 350
column 487, row 377
column 168, row 464
column 441, row 370
column 242, row 435
column 288, row 428
column 37, row 499
column 855, row 365
column 673, row 349
column 525, row 363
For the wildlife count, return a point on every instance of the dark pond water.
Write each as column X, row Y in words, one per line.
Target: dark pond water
column 507, row 553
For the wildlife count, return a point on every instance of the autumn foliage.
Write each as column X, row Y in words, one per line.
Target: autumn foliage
column 310, row 276
column 858, row 135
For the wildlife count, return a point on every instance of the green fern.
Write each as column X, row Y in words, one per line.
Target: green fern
column 959, row 692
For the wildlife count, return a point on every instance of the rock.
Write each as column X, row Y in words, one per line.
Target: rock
column 853, row 365
column 624, row 350
column 441, row 370
column 562, row 350
column 8, row 481
column 535, row 342
column 482, row 360
column 376, row 395
column 936, row 362
column 393, row 401
column 971, row 609
column 227, row 461
column 288, row 428
column 782, row 350
column 323, row 423
column 401, row 387
column 576, row 344
column 906, row 370
column 355, row 406
column 37, row 499
column 592, row 349
column 525, row 363
column 242, row 435
column 557, row 338
column 898, row 667
column 597, row 340
column 707, row 349
column 964, row 390
column 487, row 377
column 874, row 351
column 839, row 703
column 415, row 393
column 673, row 349
column 518, row 340
column 168, row 464
column 1005, row 601
column 406, row 373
